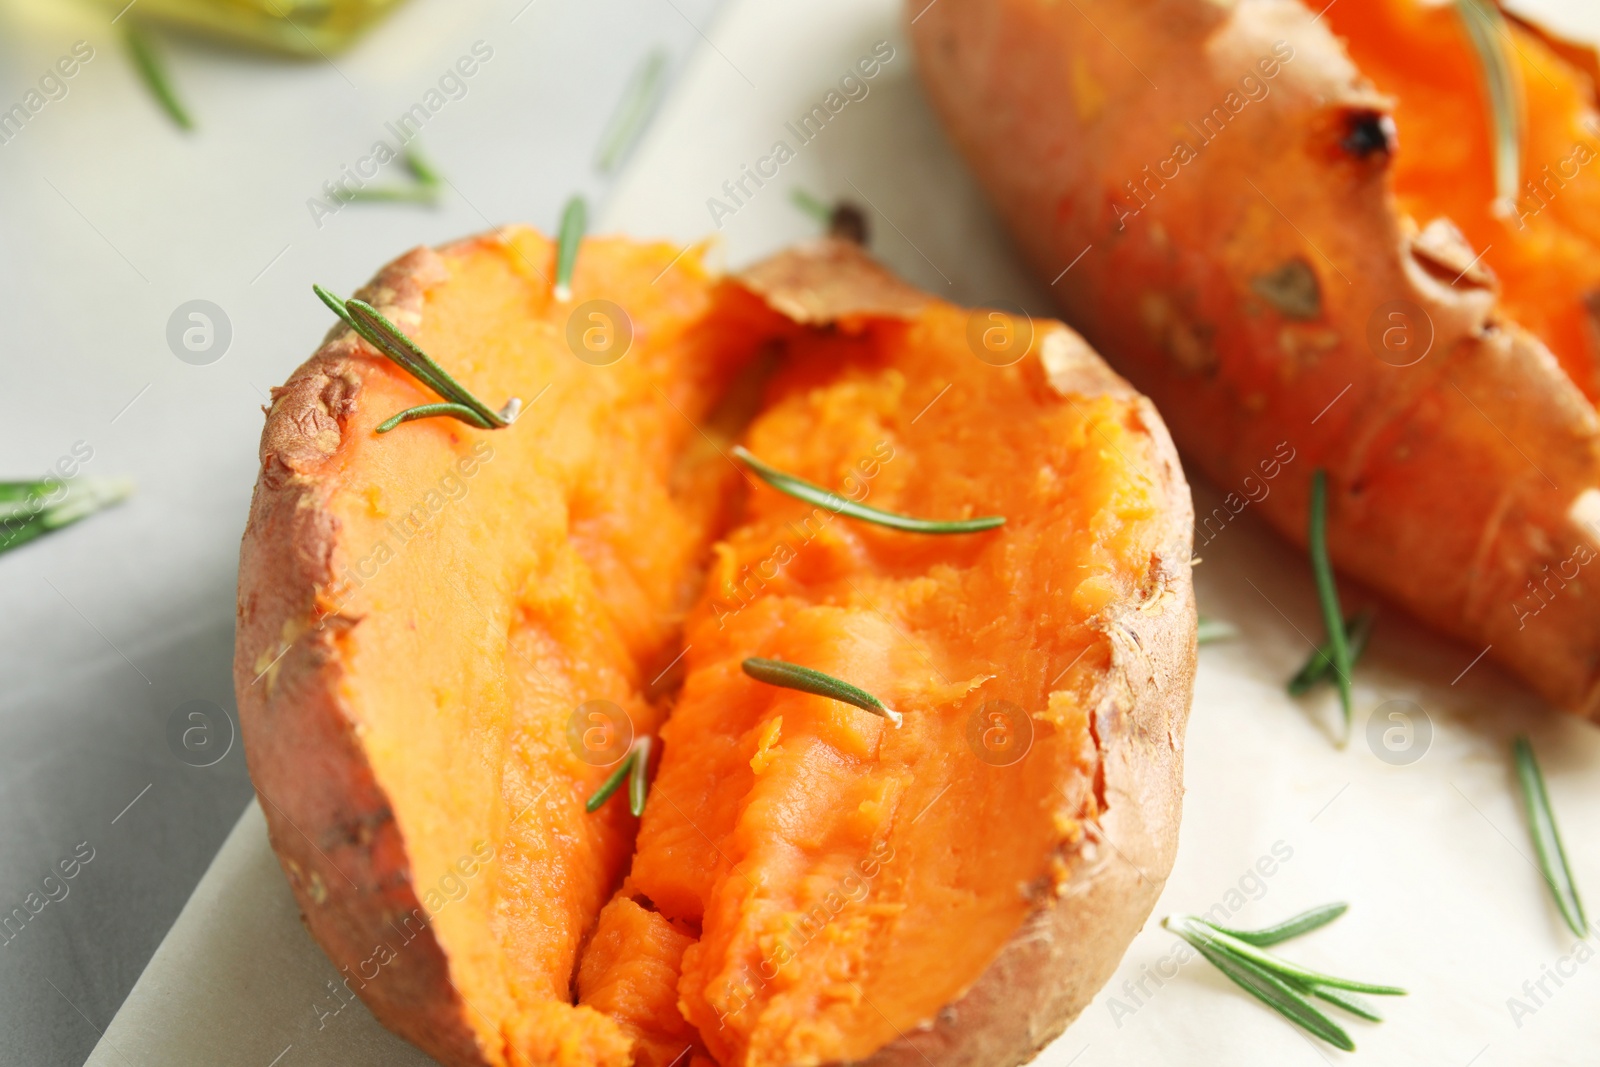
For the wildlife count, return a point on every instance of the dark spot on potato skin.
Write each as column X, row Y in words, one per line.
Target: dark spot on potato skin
column 1292, row 289
column 848, row 223
column 1369, row 133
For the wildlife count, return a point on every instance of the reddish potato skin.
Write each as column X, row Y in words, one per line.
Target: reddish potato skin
column 1453, row 480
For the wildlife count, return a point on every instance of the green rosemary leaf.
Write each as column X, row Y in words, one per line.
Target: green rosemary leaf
column 1289, row 970
column 334, row 304
column 1357, row 632
column 574, row 220
column 1485, row 25
column 1294, row 926
column 814, row 494
column 1208, row 631
column 1348, row 1001
column 638, row 784
column 1546, row 838
column 628, row 121
column 810, row 205
column 1328, row 592
column 430, row 411
column 610, row 785
column 23, row 491
column 28, row 513
column 388, row 339
column 793, row 676
column 420, row 168
column 403, row 194
column 1261, row 982
column 154, row 74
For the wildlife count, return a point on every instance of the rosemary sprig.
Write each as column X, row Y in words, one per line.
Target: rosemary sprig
column 1208, row 631
column 424, row 188
column 806, row 680
column 1281, row 984
column 815, row 494
column 1328, row 593
column 638, row 100
column 154, row 74
column 25, row 516
column 1271, row 989
column 634, row 768
column 574, row 220
column 387, row 338
column 1484, row 22
column 1358, row 631
column 1546, row 838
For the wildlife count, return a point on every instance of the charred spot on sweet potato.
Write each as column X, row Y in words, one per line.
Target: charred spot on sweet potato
column 1368, row 133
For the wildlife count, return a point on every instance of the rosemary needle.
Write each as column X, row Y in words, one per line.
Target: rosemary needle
column 1294, row 926
column 638, row 99
column 633, row 769
column 815, row 494
column 1358, row 631
column 1484, row 23
column 574, row 220
column 421, row 169
column 401, row 194
column 1208, row 631
column 424, row 189
column 26, row 515
column 1546, row 838
column 154, row 74
column 638, row 784
column 1328, row 592
column 388, row 339
column 806, row 680
column 810, row 205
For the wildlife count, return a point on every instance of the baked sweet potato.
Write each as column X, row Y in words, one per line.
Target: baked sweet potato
column 430, row 618
column 1295, row 244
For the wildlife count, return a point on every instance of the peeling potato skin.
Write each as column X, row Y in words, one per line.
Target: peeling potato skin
column 1453, row 480
column 330, row 824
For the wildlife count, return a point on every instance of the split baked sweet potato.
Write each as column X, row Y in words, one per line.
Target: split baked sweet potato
column 443, row 630
column 1294, row 241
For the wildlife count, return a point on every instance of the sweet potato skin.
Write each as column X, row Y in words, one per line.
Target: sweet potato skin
column 1459, row 483
column 327, row 818
column 331, row 825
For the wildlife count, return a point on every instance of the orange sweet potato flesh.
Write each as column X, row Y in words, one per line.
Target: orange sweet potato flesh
column 851, row 878
column 1546, row 249
column 1288, row 279
column 422, row 612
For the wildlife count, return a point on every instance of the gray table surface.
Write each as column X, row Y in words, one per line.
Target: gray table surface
column 110, row 219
